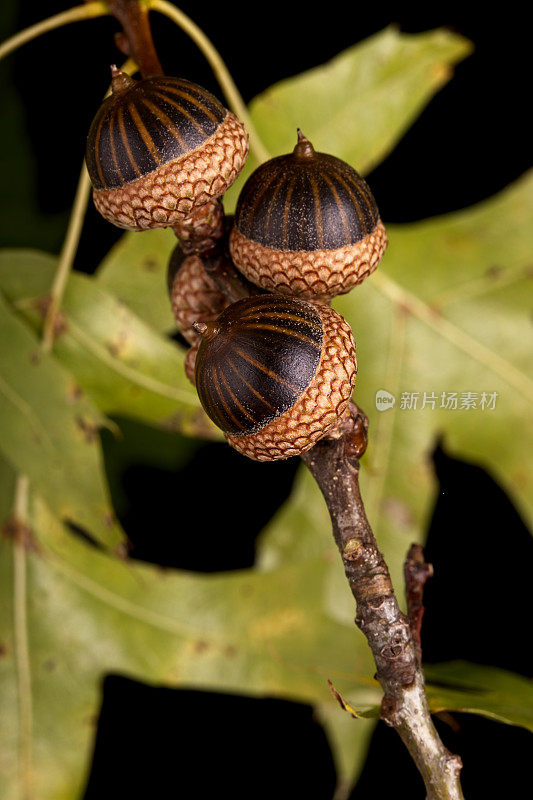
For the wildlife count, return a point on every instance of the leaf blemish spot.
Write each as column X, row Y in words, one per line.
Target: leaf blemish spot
column 116, row 348
column 150, row 264
column 109, row 519
column 74, row 393
column 88, row 429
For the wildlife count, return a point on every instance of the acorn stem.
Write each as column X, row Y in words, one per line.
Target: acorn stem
column 120, row 81
column 303, row 148
column 66, row 259
column 207, row 330
column 133, row 16
column 76, row 14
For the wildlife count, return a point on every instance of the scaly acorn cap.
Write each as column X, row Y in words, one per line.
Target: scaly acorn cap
column 159, row 148
column 307, row 224
column 194, row 296
column 275, row 373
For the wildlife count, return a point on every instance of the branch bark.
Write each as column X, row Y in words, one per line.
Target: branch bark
column 334, row 463
column 416, row 572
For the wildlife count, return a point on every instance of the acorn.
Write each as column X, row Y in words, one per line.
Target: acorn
column 193, row 294
column 307, row 224
column 160, row 148
column 275, row 373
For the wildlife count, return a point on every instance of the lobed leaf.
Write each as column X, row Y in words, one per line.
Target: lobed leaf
column 87, row 613
column 446, row 312
column 120, row 361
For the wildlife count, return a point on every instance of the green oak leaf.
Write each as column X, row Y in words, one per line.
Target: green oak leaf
column 135, row 271
column 124, row 366
column 473, row 689
column 446, row 314
column 49, row 431
column 478, row 689
column 81, row 613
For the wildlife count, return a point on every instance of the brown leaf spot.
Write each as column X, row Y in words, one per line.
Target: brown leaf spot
column 109, row 519
column 49, row 665
column 60, row 325
column 201, row 646
column 118, row 345
column 74, row 392
column 150, row 264
column 3, row 650
column 121, row 550
column 88, row 429
column 493, row 272
column 41, row 305
column 20, row 533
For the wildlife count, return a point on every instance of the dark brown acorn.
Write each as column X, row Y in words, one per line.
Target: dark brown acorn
column 307, row 224
column 275, row 373
column 160, row 148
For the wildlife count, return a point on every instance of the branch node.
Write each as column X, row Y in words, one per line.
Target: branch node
column 352, row 549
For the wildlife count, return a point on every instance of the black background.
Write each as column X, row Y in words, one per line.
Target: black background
column 471, row 141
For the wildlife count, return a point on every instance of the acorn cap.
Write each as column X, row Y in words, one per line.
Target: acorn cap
column 307, row 224
column 159, row 148
column 190, row 359
column 276, row 374
column 194, row 295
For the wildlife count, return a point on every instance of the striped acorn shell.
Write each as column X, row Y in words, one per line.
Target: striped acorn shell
column 160, row 148
column 307, row 224
column 275, row 373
